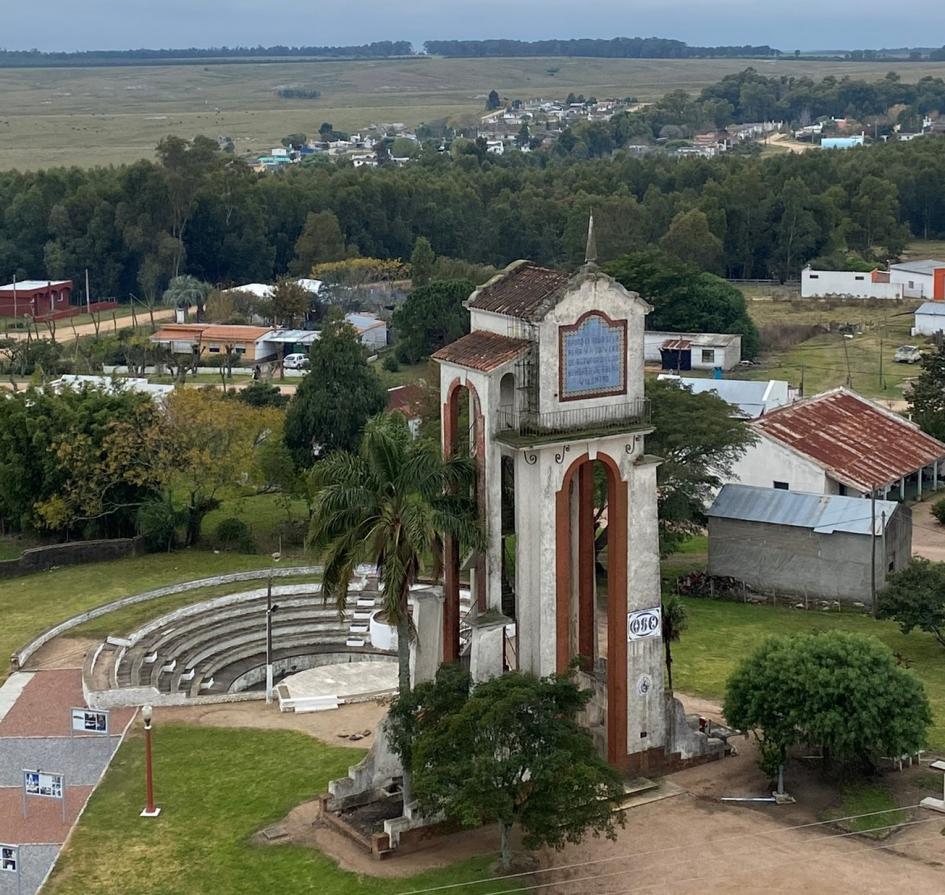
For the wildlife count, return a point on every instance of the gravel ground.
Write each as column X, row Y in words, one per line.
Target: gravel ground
column 35, row 861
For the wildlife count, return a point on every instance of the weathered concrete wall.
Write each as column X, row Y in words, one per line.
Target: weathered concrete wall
column 72, row 553
column 767, row 462
column 782, row 559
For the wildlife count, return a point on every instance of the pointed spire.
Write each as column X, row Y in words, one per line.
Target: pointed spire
column 590, row 253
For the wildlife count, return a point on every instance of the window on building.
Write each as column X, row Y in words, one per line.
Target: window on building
column 911, row 284
column 842, row 490
column 782, row 486
column 859, row 278
column 708, row 355
column 240, row 349
column 214, row 350
column 815, row 276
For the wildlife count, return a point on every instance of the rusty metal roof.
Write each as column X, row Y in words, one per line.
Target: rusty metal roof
column 523, row 290
column 676, row 345
column 856, row 441
column 481, row 350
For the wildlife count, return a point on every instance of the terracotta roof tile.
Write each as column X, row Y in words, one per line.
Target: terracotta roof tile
column 525, row 290
column 481, row 350
column 859, row 443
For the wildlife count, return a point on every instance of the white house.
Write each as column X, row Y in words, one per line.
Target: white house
column 751, row 398
column 135, row 384
column 839, row 442
column 929, row 319
column 848, row 284
column 920, row 278
column 692, row 351
column 265, row 290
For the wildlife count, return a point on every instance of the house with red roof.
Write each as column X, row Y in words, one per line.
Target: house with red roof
column 839, row 442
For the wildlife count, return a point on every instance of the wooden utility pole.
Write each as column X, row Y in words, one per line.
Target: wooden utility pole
column 846, row 357
column 88, row 294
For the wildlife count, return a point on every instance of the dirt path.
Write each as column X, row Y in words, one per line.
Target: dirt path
column 928, row 536
column 785, row 141
column 333, row 727
column 67, row 333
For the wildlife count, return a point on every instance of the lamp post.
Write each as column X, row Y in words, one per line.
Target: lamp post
column 269, row 611
column 150, row 810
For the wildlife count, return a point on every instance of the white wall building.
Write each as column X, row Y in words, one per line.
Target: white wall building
column 839, row 442
column 918, row 278
column 848, row 284
column 692, row 351
column 929, row 319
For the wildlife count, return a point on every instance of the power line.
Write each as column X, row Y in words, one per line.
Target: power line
column 616, row 873
column 788, row 829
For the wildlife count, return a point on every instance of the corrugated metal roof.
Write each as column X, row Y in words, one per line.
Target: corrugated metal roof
column 856, row 441
column 676, row 345
column 923, row 265
column 523, row 290
column 932, row 308
column 751, row 396
column 481, row 350
column 821, row 513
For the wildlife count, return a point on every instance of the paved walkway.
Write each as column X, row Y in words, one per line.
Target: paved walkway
column 35, row 725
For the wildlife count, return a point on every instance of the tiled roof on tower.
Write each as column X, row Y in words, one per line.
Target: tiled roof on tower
column 523, row 290
column 481, row 350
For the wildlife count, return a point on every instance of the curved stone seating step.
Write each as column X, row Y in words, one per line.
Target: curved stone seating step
column 192, row 647
column 228, row 667
column 166, row 639
column 312, row 630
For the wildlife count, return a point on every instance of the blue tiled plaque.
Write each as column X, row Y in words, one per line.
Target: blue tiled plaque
column 593, row 358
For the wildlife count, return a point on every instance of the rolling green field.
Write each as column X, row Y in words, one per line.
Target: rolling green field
column 101, row 116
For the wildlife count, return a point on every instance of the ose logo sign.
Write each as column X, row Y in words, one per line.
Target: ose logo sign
column 644, row 623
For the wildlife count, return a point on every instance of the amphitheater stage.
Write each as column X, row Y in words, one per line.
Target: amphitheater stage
column 328, row 686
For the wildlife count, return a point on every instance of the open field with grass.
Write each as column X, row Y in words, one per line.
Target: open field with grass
column 31, row 604
column 102, row 116
column 217, row 788
column 721, row 633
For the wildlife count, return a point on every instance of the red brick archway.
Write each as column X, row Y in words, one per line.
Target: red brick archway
column 617, row 527
column 451, row 559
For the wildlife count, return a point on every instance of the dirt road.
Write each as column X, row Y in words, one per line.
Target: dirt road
column 67, row 333
column 928, row 536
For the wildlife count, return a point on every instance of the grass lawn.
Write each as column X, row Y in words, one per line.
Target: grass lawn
column 826, row 360
column 216, row 788
column 868, row 798
column 9, row 549
column 30, row 604
column 721, row 633
column 408, row 373
column 265, row 514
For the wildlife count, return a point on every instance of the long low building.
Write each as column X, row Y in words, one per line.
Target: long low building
column 824, row 547
column 34, row 298
column 692, row 351
column 841, row 443
column 751, row 398
column 921, row 278
column 849, row 284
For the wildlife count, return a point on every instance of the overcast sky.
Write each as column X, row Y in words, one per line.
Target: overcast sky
column 804, row 24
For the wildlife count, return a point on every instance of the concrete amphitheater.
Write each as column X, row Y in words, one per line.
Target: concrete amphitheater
column 214, row 650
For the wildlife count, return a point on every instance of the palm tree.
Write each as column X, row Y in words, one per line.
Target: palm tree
column 185, row 290
column 675, row 621
column 390, row 505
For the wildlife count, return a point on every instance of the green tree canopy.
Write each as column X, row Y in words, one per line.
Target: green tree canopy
column 421, row 261
column 685, row 299
column 514, row 753
column 321, row 240
column 290, row 302
column 699, row 439
column 927, row 397
column 690, row 239
column 431, row 317
column 835, row 689
column 335, row 399
column 914, row 597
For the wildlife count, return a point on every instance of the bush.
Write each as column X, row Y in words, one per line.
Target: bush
column 391, row 364
column 234, row 535
column 938, row 510
column 158, row 522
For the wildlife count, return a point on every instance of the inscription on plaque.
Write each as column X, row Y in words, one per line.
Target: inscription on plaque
column 593, row 358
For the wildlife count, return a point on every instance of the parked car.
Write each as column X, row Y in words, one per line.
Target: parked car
column 295, row 362
column 907, row 354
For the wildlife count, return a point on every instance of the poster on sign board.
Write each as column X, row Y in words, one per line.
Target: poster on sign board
column 89, row 721
column 39, row 783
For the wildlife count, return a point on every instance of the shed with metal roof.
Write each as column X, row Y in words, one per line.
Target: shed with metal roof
column 815, row 546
